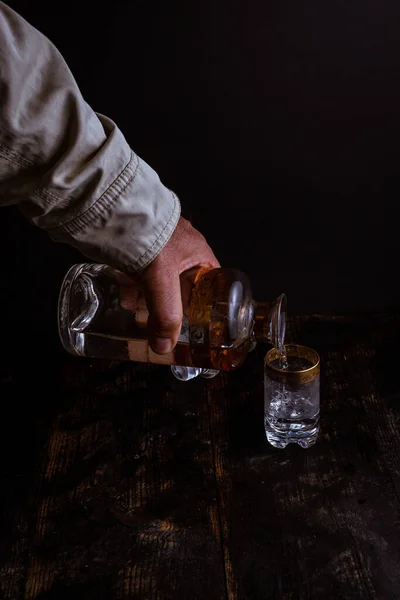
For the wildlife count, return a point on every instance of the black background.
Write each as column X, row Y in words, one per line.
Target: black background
column 277, row 124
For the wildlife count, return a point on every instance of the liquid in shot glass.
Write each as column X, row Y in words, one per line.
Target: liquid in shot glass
column 291, row 396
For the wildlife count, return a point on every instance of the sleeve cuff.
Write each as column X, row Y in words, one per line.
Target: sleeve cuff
column 129, row 225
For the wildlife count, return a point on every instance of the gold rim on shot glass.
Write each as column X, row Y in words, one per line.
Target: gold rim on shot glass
column 300, row 377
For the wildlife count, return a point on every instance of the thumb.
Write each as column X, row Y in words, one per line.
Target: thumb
column 162, row 291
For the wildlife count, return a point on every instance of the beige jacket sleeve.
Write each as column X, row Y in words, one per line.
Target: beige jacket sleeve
column 69, row 169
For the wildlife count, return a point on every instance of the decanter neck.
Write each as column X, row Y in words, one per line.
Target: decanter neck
column 270, row 322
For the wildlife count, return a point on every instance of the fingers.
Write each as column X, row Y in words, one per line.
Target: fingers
column 187, row 282
column 185, row 251
column 162, row 289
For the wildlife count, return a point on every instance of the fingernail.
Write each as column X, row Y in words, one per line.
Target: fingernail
column 162, row 345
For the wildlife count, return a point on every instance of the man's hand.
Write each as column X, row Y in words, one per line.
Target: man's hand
column 161, row 283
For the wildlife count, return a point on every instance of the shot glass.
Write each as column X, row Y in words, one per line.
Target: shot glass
column 291, row 396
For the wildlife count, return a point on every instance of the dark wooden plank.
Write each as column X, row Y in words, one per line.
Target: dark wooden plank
column 134, row 501
column 322, row 523
column 127, row 504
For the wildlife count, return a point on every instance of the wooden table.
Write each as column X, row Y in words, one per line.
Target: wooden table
column 148, row 488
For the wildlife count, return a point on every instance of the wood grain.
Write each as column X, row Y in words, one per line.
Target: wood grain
column 127, row 505
column 128, row 484
column 321, row 523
